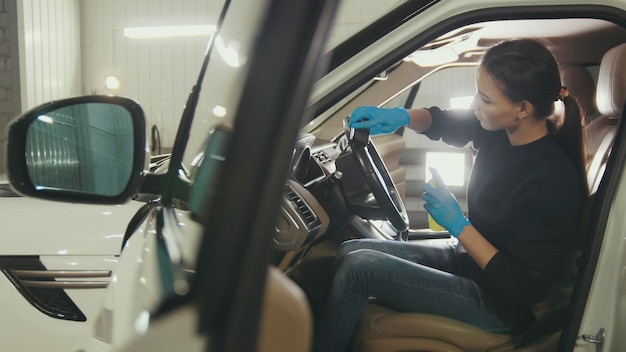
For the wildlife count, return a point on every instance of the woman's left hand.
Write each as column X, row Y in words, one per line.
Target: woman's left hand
column 443, row 206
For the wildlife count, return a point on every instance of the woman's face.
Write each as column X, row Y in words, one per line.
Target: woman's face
column 492, row 108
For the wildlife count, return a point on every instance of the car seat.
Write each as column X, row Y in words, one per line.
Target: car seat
column 286, row 318
column 610, row 98
column 581, row 85
column 381, row 329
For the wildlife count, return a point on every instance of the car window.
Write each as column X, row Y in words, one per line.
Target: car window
column 449, row 88
column 227, row 67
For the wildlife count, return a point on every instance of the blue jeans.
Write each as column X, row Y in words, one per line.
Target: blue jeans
column 403, row 276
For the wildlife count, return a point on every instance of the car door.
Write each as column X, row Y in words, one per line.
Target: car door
column 237, row 206
column 199, row 257
column 599, row 315
column 232, row 190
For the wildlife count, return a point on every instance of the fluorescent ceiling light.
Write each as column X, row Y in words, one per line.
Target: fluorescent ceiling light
column 169, row 31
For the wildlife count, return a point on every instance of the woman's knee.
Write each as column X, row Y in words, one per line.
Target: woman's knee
column 353, row 245
column 360, row 261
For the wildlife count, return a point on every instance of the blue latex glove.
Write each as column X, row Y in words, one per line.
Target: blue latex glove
column 442, row 205
column 379, row 120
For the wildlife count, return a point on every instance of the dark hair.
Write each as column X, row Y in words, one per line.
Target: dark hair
column 525, row 69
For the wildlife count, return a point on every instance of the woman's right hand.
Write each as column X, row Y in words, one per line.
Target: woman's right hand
column 379, row 120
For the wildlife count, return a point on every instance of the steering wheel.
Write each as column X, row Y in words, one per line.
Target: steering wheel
column 372, row 167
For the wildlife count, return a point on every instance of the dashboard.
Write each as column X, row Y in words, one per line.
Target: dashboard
column 302, row 217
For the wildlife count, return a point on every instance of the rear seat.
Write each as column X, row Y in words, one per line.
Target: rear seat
column 610, row 98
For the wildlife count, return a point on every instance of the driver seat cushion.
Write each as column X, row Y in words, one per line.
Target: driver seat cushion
column 381, row 329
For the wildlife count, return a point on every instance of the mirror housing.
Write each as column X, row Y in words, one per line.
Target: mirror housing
column 88, row 149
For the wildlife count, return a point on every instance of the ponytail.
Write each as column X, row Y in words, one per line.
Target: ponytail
column 570, row 136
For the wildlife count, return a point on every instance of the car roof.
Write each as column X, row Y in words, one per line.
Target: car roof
column 578, row 35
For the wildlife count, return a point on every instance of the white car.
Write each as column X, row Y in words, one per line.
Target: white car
column 210, row 268
column 56, row 262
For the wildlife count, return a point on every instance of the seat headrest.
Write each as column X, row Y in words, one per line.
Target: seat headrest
column 611, row 92
column 581, row 85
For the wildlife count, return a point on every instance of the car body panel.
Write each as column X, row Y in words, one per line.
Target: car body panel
column 606, row 308
column 64, row 238
column 133, row 293
column 42, row 227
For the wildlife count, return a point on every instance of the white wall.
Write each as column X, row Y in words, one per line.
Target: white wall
column 9, row 76
column 39, row 56
column 158, row 73
column 49, row 50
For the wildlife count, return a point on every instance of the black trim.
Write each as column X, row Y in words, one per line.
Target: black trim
column 53, row 302
column 234, row 255
column 136, row 221
column 376, row 30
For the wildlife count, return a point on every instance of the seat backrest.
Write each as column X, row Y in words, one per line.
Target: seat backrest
column 286, row 318
column 581, row 85
column 610, row 98
column 611, row 90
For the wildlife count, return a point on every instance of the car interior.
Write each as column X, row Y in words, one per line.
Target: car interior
column 592, row 53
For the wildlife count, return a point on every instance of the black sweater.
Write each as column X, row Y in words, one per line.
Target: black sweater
column 526, row 201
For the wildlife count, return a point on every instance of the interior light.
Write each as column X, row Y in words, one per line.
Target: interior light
column 435, row 57
column 450, row 165
column 461, row 102
column 112, row 82
column 448, row 51
column 169, row 31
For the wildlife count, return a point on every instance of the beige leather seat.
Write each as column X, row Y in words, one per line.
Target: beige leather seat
column 610, row 96
column 384, row 330
column 286, row 319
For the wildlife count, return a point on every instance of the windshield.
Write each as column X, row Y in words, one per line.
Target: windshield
column 222, row 83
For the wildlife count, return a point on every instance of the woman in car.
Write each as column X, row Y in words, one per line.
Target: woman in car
column 524, row 198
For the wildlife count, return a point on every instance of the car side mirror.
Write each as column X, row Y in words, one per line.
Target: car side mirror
column 88, row 149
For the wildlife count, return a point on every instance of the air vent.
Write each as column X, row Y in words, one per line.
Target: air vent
column 44, row 289
column 303, row 209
